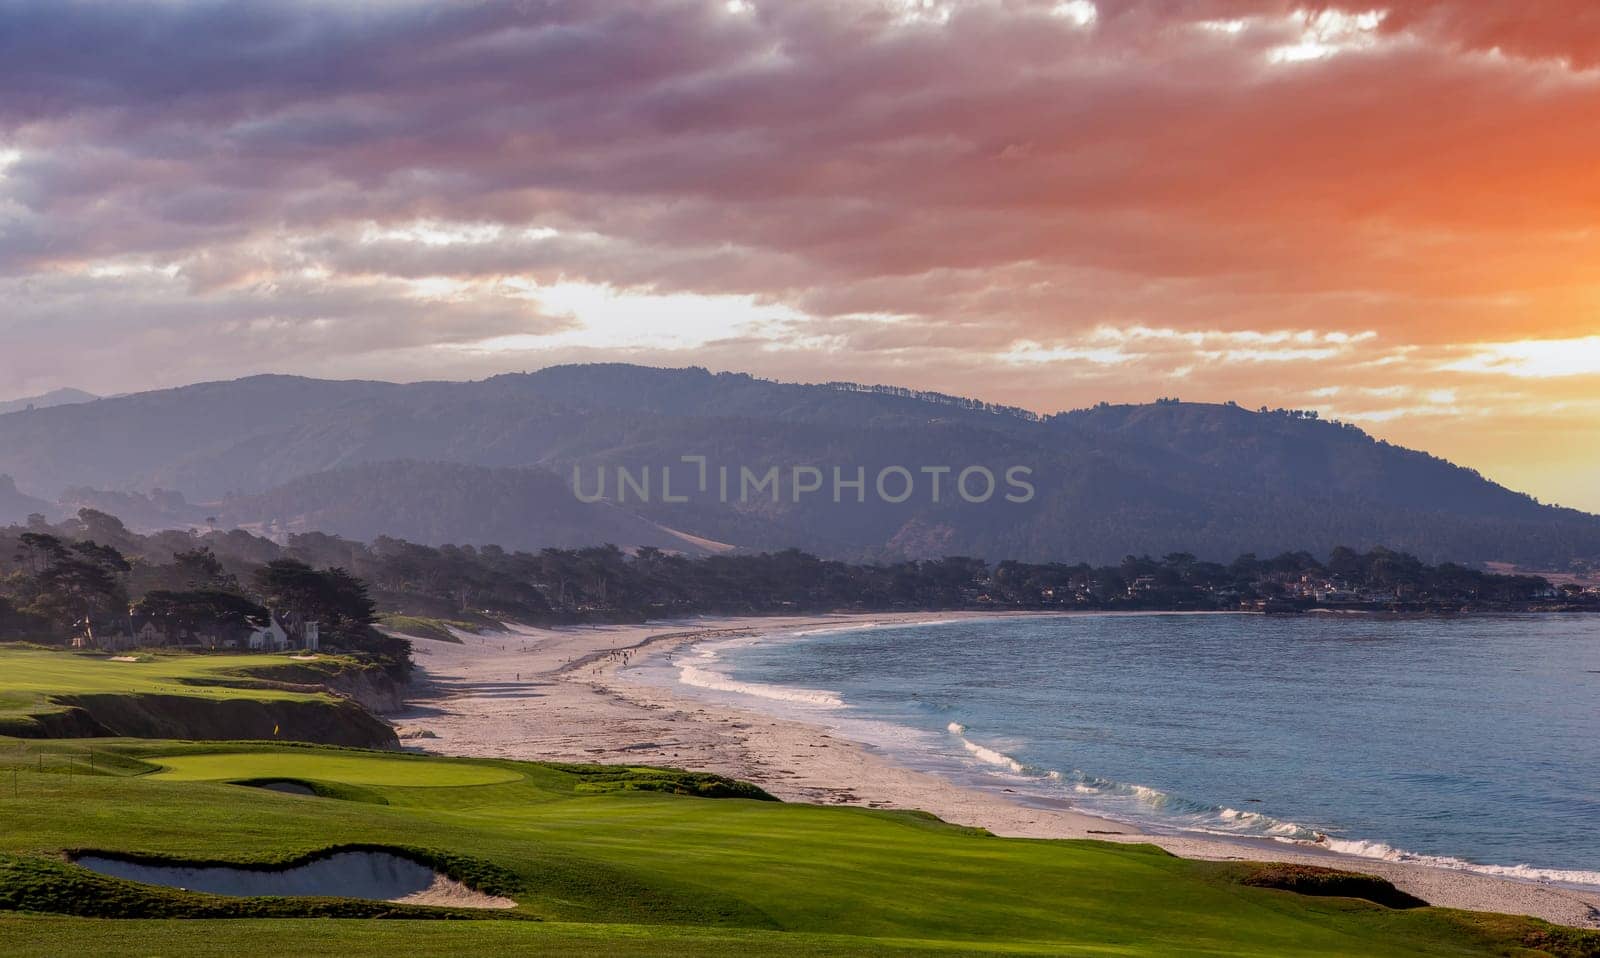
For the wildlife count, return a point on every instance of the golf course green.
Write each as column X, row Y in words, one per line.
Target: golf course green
column 616, row 861
column 52, row 694
column 349, row 770
column 32, row 675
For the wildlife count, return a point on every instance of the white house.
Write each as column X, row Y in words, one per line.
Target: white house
column 273, row 637
column 149, row 635
column 269, row 638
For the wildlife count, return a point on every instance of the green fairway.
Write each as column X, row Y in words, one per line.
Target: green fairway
column 32, row 676
column 56, row 694
column 613, row 864
column 422, row 627
column 52, row 937
column 348, row 769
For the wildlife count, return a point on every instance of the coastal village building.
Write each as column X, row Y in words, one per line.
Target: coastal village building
column 150, row 634
column 137, row 632
column 273, row 637
column 268, row 638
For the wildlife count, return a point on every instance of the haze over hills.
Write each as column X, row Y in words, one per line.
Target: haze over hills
column 441, row 502
column 16, row 505
column 364, row 458
column 56, row 397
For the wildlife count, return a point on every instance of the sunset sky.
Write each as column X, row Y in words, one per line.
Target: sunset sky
column 1390, row 214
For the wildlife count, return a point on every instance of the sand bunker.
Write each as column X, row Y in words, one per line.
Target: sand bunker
column 375, row 876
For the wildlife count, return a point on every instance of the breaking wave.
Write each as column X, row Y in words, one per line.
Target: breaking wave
column 1388, row 853
column 698, row 671
column 1142, row 805
column 957, row 748
column 863, row 627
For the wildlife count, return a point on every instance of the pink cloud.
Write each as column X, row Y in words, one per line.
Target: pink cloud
column 1005, row 175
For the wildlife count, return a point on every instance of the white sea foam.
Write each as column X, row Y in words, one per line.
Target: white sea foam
column 1154, row 806
column 1382, row 852
column 869, row 627
column 707, row 679
column 1135, row 804
column 698, row 672
column 991, row 757
column 833, row 630
column 984, row 753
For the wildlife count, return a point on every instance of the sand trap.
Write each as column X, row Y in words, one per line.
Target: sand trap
column 124, row 658
column 375, row 876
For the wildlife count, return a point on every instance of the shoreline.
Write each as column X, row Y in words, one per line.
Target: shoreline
column 558, row 694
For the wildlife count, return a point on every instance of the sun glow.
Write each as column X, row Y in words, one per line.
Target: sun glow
column 611, row 317
column 438, row 233
column 1112, row 345
column 1324, row 33
column 922, row 11
column 1079, row 13
column 1533, row 359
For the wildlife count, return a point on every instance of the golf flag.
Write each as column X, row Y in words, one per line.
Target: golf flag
column 275, row 731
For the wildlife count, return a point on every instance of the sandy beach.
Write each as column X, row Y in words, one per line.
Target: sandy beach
column 557, row 694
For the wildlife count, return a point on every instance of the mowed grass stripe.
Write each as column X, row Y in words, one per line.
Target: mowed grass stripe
column 347, row 769
column 32, row 676
column 652, row 873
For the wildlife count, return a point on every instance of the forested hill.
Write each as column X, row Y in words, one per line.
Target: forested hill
column 441, row 502
column 14, row 504
column 362, row 458
column 56, row 397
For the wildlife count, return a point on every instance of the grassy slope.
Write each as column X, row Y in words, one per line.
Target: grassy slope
column 346, row 768
column 32, row 674
column 423, row 627
column 176, row 694
column 636, row 872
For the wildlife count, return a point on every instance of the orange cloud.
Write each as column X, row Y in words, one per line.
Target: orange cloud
column 1383, row 209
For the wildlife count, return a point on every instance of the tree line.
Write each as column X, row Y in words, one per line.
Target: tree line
column 89, row 579
column 54, row 579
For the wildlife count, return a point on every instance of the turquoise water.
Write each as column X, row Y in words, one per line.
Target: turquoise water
column 1472, row 741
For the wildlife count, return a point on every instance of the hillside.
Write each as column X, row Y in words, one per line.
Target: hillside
column 15, row 506
column 50, row 694
column 435, row 503
column 56, row 397
column 1215, row 480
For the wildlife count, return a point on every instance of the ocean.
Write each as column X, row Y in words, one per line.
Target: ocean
column 1469, row 742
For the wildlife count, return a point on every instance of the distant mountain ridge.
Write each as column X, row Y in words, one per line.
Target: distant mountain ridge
column 56, row 397
column 436, row 503
column 363, row 457
column 16, row 506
